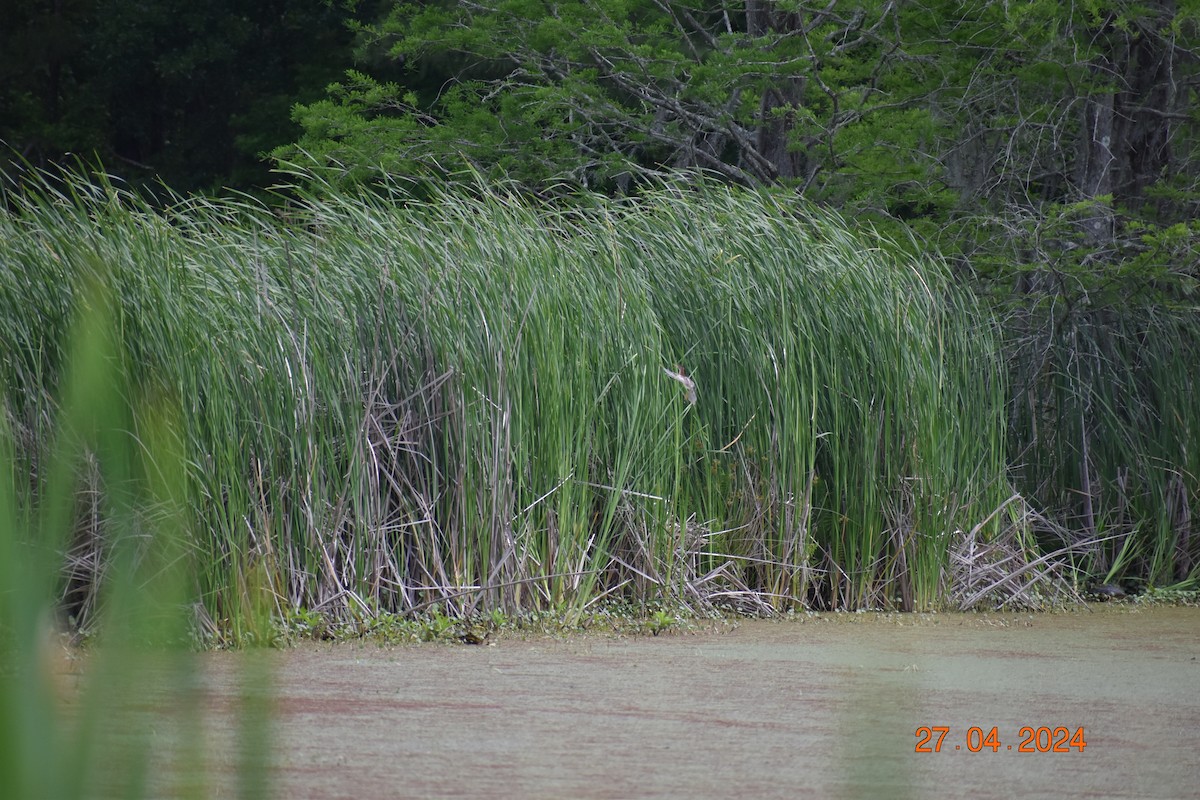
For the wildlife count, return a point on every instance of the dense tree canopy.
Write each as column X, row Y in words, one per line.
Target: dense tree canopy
column 191, row 94
column 596, row 93
column 911, row 104
column 1083, row 115
column 1011, row 135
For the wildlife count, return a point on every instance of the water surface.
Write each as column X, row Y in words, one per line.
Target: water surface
column 825, row 706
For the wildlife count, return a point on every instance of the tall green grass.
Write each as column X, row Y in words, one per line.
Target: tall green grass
column 131, row 728
column 846, row 418
column 1105, row 433
column 387, row 404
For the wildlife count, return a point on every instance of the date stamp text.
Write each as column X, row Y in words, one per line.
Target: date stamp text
column 1030, row 739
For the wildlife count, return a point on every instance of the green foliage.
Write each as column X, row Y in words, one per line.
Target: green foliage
column 661, row 620
column 63, row 735
column 1183, row 594
column 978, row 126
column 386, row 404
column 1049, row 151
column 1106, row 425
column 188, row 93
column 597, row 95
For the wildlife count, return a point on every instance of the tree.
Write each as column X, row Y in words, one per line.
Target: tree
column 918, row 110
column 1087, row 111
column 596, row 93
column 45, row 105
column 191, row 94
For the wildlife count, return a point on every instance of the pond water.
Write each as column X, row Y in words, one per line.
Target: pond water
column 826, row 706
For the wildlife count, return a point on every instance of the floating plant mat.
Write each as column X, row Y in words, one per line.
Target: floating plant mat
column 820, row 705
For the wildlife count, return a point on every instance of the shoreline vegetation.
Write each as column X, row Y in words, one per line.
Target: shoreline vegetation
column 473, row 406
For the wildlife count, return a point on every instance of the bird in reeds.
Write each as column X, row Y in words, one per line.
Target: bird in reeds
column 689, row 385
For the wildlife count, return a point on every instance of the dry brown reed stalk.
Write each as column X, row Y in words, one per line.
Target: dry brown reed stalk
column 1004, row 571
column 696, row 578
